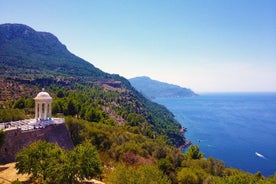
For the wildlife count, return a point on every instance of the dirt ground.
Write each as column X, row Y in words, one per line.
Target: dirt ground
column 8, row 173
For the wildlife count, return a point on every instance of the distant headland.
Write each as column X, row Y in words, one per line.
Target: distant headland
column 156, row 89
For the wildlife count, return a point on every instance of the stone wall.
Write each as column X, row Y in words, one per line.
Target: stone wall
column 16, row 139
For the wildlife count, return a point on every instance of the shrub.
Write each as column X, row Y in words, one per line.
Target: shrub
column 146, row 174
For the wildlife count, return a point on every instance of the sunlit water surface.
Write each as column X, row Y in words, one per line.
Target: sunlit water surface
column 236, row 128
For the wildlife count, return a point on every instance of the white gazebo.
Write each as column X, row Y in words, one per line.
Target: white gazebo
column 43, row 106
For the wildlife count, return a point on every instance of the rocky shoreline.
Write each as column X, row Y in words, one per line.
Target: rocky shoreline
column 187, row 143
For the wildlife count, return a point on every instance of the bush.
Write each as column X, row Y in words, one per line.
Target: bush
column 7, row 115
column 146, row 174
column 194, row 153
column 187, row 176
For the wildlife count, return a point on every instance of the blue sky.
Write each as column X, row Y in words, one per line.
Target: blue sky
column 206, row 45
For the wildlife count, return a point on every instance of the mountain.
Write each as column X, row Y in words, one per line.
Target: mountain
column 156, row 89
column 38, row 53
column 31, row 60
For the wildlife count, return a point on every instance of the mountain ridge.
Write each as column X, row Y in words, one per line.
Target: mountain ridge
column 20, row 42
column 157, row 89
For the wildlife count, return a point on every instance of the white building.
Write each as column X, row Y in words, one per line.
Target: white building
column 43, row 106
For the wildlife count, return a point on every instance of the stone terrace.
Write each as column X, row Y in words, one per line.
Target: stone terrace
column 29, row 124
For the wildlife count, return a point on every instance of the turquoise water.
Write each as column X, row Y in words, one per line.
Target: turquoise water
column 231, row 127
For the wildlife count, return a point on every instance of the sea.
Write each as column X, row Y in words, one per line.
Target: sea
column 238, row 128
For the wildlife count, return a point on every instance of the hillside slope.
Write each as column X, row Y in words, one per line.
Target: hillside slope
column 25, row 51
column 30, row 60
column 156, row 89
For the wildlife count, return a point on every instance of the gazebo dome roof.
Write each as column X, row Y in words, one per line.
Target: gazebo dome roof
column 43, row 96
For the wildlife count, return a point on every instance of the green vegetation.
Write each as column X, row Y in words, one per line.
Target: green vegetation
column 48, row 163
column 146, row 174
column 119, row 145
column 194, row 153
column 23, row 103
column 129, row 158
column 7, row 115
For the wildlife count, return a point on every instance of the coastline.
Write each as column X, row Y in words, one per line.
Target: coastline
column 187, row 143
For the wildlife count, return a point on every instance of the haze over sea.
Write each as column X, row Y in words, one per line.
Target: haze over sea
column 232, row 127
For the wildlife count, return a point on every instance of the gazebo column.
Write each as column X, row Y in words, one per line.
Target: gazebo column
column 36, row 110
column 45, row 111
column 40, row 111
column 50, row 110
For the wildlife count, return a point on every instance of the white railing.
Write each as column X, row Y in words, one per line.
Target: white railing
column 30, row 124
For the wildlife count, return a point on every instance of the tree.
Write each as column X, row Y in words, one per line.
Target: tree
column 29, row 103
column 19, row 104
column 215, row 167
column 41, row 160
column 165, row 165
column 194, row 153
column 88, row 162
column 75, row 126
column 59, row 106
column 60, row 94
column 71, row 109
column 49, row 163
column 93, row 115
column 11, row 115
